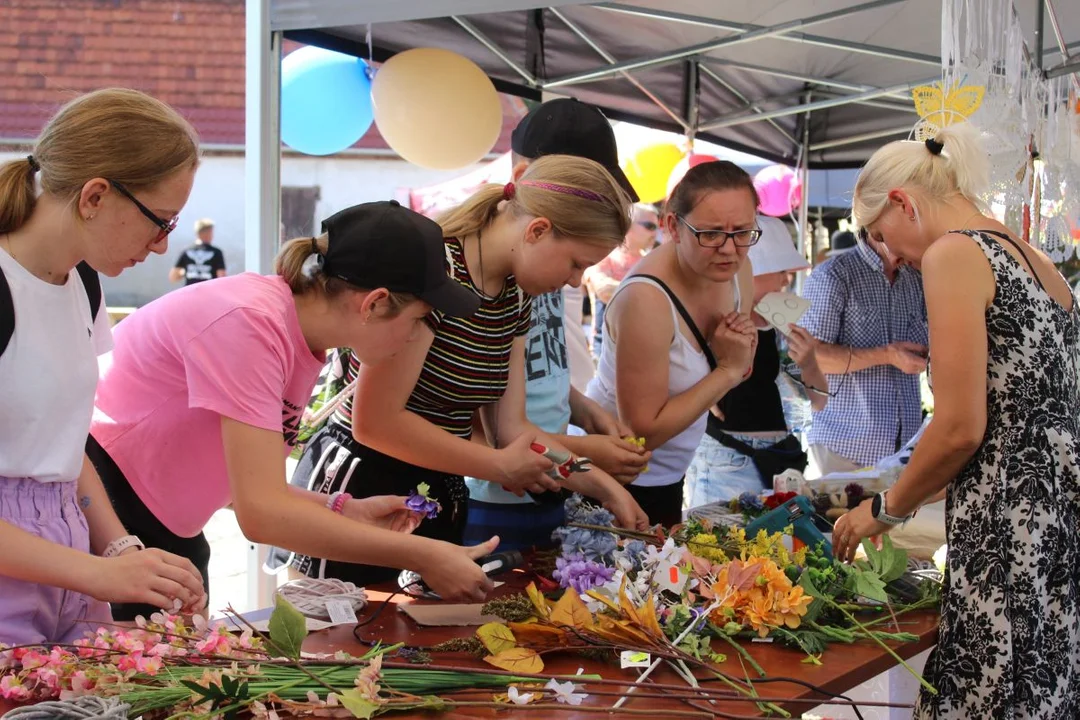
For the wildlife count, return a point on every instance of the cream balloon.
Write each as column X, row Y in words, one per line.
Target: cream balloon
column 436, row 108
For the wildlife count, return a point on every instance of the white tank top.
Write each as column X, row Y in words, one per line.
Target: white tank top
column 687, row 365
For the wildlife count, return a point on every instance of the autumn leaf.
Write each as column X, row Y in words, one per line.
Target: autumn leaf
column 604, row 599
column 741, row 576
column 621, row 632
column 649, row 621
column 626, row 606
column 538, row 600
column 539, row 636
column 571, row 611
column 517, row 660
column 496, row 637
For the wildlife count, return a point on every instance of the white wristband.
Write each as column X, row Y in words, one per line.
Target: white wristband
column 121, row 544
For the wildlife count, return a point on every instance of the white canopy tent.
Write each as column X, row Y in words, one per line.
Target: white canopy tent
column 820, row 83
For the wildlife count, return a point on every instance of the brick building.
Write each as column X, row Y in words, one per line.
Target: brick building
column 190, row 54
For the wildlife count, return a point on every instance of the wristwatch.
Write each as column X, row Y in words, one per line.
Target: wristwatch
column 877, row 509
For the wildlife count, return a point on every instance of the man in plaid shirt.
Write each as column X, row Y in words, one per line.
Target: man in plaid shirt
column 870, row 317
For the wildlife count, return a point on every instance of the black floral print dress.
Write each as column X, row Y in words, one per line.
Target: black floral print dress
column 1009, row 644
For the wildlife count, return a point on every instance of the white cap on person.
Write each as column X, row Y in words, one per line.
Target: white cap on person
column 774, row 251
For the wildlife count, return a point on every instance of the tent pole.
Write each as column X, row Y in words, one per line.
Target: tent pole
column 262, row 198
column 739, row 38
column 610, row 59
column 804, row 206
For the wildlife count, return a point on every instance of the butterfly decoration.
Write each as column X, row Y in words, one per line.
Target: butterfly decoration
column 939, row 106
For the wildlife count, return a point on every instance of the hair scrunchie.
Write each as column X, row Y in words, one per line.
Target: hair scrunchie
column 34, row 167
column 509, row 190
column 934, row 146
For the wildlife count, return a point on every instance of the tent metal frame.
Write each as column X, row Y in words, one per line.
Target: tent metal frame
column 265, row 34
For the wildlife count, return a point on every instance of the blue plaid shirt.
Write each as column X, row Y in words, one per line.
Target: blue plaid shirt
column 878, row 409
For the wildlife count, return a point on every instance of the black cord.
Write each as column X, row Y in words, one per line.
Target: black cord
column 378, row 611
column 819, row 391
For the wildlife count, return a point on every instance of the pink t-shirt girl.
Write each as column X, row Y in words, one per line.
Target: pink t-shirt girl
column 232, row 347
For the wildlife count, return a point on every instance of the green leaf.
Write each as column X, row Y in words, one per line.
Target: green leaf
column 423, row 489
column 229, row 685
column 813, row 610
column 206, row 693
column 889, row 562
column 287, row 628
column 358, row 705
column 870, row 586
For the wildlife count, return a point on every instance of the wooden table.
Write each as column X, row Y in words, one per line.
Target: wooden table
column 843, row 666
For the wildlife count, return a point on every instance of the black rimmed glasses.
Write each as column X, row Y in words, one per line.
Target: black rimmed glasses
column 719, row 238
column 165, row 226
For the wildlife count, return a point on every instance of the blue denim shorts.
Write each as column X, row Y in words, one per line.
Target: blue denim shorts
column 719, row 473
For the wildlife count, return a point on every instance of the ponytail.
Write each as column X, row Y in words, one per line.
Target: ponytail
column 952, row 163
column 17, row 193
column 299, row 263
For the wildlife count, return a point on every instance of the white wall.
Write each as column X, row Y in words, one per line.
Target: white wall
column 219, row 194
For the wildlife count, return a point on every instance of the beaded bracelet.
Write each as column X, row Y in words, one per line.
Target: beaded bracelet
column 337, row 501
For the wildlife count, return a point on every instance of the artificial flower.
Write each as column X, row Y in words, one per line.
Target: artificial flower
column 519, row 698
column 580, row 573
column 420, row 502
column 565, row 692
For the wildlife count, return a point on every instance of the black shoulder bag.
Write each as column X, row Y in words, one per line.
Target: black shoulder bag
column 771, row 461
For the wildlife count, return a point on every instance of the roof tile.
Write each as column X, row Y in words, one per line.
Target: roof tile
column 189, row 53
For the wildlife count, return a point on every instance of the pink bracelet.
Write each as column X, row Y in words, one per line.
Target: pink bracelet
column 337, row 501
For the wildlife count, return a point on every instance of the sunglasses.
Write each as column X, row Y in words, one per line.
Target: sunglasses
column 719, row 238
column 650, row 226
column 164, row 226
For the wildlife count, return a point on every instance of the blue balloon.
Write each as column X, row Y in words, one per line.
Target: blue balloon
column 325, row 100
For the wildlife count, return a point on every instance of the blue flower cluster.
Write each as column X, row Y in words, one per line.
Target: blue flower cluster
column 591, row 544
column 749, row 501
column 580, row 573
column 633, row 551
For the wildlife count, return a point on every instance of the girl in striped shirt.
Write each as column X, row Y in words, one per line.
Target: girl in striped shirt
column 411, row 419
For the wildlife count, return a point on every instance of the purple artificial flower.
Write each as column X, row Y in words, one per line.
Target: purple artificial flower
column 419, row 502
column 581, row 574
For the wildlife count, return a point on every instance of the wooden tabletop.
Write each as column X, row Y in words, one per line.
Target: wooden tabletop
column 843, row 666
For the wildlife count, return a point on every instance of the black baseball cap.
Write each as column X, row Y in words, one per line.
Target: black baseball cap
column 383, row 245
column 570, row 127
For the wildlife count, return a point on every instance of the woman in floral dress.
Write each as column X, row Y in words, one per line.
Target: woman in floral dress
column 1003, row 444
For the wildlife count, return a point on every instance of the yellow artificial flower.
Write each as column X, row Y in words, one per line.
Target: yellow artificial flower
column 791, row 606
column 707, row 546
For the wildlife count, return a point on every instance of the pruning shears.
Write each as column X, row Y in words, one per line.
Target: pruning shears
column 565, row 462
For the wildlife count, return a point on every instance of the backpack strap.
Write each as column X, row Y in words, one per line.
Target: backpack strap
column 91, row 284
column 7, row 313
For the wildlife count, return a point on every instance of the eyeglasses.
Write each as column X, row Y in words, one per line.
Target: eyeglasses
column 719, row 238
column 650, row 226
column 165, row 226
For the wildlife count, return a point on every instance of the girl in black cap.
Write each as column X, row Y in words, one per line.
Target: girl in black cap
column 200, row 401
column 412, row 420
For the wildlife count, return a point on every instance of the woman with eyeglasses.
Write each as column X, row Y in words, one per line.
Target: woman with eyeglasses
column 747, row 440
column 677, row 337
column 101, row 191
column 603, row 278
